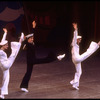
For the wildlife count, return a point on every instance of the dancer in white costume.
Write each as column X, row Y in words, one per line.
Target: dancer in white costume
column 6, row 62
column 77, row 58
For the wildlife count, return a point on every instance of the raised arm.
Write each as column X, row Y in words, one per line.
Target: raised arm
column 75, row 34
column 4, row 35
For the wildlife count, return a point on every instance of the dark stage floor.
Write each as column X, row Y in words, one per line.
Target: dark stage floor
column 51, row 80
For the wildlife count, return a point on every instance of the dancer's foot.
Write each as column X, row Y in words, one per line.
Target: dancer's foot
column 75, row 87
column 71, row 82
column 60, row 57
column 2, row 96
column 24, row 90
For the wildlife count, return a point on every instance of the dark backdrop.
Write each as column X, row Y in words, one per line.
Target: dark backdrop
column 54, row 21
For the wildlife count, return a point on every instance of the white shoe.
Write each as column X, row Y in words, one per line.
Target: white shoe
column 71, row 82
column 24, row 90
column 60, row 57
column 75, row 87
column 2, row 96
column 74, row 83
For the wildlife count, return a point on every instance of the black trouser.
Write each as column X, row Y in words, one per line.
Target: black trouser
column 27, row 76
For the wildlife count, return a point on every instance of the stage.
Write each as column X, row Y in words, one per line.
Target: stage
column 51, row 80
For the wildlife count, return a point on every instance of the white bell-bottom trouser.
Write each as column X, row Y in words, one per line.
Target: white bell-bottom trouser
column 15, row 46
column 77, row 62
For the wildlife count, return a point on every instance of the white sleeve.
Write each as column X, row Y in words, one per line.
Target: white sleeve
column 4, row 37
column 74, row 40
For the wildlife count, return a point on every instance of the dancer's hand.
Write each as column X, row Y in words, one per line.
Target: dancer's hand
column 5, row 30
column 22, row 37
column 34, row 24
column 74, row 25
column 99, row 43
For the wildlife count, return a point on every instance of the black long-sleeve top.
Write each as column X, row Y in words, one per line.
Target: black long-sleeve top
column 30, row 52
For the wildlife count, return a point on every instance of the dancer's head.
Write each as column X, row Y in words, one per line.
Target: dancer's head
column 79, row 38
column 4, row 45
column 30, row 38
